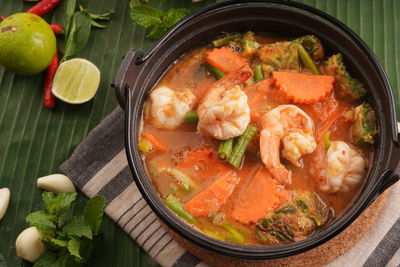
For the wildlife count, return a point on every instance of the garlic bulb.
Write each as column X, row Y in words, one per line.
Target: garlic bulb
column 4, row 200
column 57, row 183
column 28, row 244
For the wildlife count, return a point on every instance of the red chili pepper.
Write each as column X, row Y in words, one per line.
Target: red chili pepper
column 57, row 29
column 44, row 7
column 2, row 17
column 49, row 100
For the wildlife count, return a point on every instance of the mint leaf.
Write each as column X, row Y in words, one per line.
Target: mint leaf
column 42, row 221
column 54, row 244
column 46, row 259
column 93, row 213
column 58, row 204
column 76, row 227
column 157, row 31
column 146, row 16
column 73, row 247
column 174, row 15
column 66, row 260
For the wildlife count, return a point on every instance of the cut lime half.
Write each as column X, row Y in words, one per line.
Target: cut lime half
column 76, row 81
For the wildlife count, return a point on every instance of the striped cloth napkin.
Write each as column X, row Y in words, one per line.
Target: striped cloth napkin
column 99, row 166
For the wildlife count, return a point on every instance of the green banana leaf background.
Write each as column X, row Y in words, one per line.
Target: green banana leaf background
column 34, row 140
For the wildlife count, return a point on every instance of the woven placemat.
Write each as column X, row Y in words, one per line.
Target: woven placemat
column 319, row 256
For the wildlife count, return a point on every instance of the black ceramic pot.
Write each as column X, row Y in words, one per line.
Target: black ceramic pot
column 139, row 72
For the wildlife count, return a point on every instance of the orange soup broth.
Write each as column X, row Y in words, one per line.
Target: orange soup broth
column 188, row 72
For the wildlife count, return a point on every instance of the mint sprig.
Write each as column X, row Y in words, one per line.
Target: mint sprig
column 158, row 20
column 69, row 239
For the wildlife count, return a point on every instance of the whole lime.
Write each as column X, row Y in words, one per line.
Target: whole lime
column 27, row 44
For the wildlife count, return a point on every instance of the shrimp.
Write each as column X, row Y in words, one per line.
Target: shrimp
column 338, row 169
column 223, row 111
column 168, row 107
column 292, row 126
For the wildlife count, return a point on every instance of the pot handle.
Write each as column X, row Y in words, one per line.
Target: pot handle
column 126, row 74
column 392, row 176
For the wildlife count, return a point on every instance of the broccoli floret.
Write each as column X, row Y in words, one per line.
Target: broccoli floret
column 313, row 46
column 345, row 86
column 279, row 56
column 295, row 220
column 364, row 127
column 249, row 43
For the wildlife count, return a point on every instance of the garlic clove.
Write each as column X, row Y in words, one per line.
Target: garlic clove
column 4, row 200
column 28, row 244
column 57, row 183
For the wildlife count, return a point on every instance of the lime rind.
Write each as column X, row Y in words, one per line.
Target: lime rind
column 76, row 81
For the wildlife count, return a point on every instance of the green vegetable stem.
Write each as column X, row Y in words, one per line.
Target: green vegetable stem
column 234, row 234
column 214, row 71
column 176, row 206
column 191, row 117
column 241, row 145
column 306, row 59
column 225, row 149
column 224, row 40
column 258, row 74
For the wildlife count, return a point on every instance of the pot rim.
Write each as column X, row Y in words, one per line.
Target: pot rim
column 240, row 251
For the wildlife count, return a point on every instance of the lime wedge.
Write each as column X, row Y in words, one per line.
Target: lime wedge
column 76, row 81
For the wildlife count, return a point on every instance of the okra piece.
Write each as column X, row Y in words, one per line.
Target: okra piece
column 240, row 147
column 225, row 149
column 223, row 40
column 214, row 71
column 177, row 207
column 191, row 117
column 306, row 59
column 234, row 234
column 258, row 74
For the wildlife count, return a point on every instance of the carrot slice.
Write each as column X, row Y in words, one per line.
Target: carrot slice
column 213, row 197
column 225, row 59
column 303, row 88
column 155, row 142
column 261, row 196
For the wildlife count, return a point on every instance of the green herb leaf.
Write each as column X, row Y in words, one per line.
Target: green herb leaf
column 76, row 227
column 63, row 12
column 105, row 16
column 174, row 15
column 98, row 25
column 93, row 213
column 42, row 221
column 146, row 16
column 73, row 247
column 46, row 259
column 54, row 244
column 77, row 34
column 58, row 204
column 66, row 260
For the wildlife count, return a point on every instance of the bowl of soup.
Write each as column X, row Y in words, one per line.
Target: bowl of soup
column 258, row 129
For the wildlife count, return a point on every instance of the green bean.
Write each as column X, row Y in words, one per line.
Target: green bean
column 176, row 206
column 306, row 59
column 235, row 235
column 225, row 149
column 191, row 117
column 258, row 74
column 144, row 146
column 214, row 71
column 223, row 40
column 241, row 145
